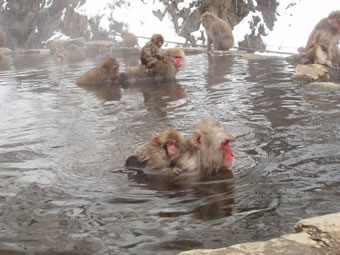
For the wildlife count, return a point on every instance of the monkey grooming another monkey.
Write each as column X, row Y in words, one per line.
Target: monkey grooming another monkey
column 151, row 51
column 158, row 154
column 218, row 31
column 207, row 151
column 322, row 45
column 107, row 69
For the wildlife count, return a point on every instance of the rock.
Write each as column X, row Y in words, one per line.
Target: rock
column 317, row 86
column 315, row 236
column 310, row 73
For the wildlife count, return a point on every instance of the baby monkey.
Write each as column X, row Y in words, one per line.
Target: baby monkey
column 159, row 154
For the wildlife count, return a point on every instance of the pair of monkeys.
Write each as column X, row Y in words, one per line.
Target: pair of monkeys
column 169, row 153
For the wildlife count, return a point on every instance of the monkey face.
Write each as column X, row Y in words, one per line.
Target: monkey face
column 171, row 148
column 178, row 61
column 159, row 43
column 228, row 156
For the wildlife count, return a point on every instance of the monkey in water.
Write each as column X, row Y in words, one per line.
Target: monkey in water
column 157, row 155
column 106, row 70
column 207, row 151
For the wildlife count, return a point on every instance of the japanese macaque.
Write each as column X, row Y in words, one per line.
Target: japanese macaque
column 74, row 53
column 169, row 63
column 129, row 39
column 218, row 31
column 322, row 45
column 158, row 154
column 207, row 151
column 151, row 51
column 106, row 70
column 3, row 38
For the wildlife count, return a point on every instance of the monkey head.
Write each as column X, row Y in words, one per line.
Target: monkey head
column 212, row 139
column 334, row 19
column 158, row 40
column 176, row 55
column 169, row 139
column 110, row 67
column 207, row 18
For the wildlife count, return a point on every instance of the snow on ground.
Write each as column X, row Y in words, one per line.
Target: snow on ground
column 138, row 16
column 295, row 20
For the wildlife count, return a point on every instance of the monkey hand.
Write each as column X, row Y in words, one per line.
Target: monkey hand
column 177, row 171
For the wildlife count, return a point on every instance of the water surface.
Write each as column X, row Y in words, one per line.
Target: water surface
column 64, row 188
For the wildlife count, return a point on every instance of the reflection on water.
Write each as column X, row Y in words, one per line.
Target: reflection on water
column 62, row 150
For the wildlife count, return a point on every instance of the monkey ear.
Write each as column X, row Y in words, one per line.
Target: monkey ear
column 197, row 141
column 154, row 139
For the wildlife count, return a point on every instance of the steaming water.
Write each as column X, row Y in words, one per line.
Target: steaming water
column 64, row 188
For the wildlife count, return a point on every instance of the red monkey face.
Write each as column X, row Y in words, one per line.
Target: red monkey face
column 228, row 156
column 178, row 61
column 171, row 148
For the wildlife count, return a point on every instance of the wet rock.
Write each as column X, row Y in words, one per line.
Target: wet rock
column 317, row 86
column 310, row 73
column 315, row 236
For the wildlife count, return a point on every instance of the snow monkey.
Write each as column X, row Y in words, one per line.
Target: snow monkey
column 171, row 60
column 207, row 151
column 218, row 31
column 322, row 45
column 151, row 51
column 107, row 69
column 129, row 39
column 158, row 154
column 169, row 63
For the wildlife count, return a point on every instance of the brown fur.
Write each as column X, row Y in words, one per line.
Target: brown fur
column 218, row 31
column 106, row 70
column 202, row 154
column 151, row 51
column 129, row 39
column 166, row 67
column 155, row 154
column 322, row 43
column 74, row 53
column 3, row 38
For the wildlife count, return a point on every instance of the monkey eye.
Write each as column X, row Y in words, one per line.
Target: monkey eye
column 225, row 143
column 171, row 143
column 177, row 57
